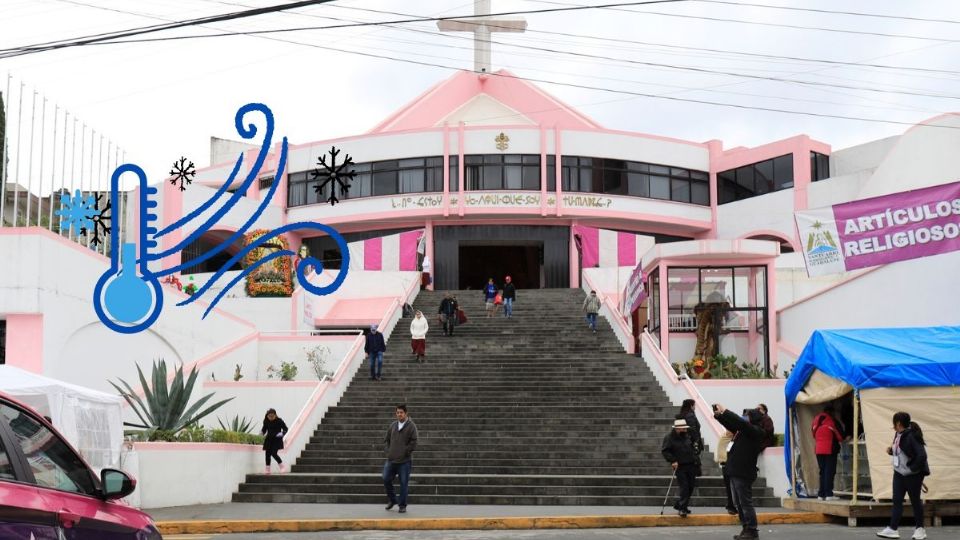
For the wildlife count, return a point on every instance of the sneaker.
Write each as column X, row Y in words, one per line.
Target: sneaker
column 403, row 510
column 919, row 534
column 283, row 468
column 831, row 498
column 889, row 533
column 266, row 470
column 684, row 512
column 391, row 505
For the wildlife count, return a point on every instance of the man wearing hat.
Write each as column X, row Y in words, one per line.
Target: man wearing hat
column 677, row 449
column 375, row 347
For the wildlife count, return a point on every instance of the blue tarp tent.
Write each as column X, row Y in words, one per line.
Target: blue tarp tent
column 881, row 358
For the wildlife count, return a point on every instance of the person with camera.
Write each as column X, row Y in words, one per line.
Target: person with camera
column 678, row 450
column 741, row 464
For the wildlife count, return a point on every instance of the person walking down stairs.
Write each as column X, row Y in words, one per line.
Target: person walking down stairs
column 448, row 314
column 375, row 346
column 591, row 305
column 273, row 431
column 418, row 335
column 509, row 295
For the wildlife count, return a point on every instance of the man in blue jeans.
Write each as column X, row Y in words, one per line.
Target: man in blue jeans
column 591, row 305
column 401, row 441
column 509, row 295
column 375, row 347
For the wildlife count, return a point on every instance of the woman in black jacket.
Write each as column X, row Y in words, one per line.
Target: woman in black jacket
column 273, row 431
column 909, row 468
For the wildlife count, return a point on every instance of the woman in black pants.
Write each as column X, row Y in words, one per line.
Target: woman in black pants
column 273, row 431
column 909, row 469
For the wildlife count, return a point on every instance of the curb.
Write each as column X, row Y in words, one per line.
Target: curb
column 424, row 524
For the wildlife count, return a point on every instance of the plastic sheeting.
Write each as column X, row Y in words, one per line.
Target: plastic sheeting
column 89, row 419
column 877, row 358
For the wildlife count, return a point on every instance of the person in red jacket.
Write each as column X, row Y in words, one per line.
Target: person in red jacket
column 828, row 438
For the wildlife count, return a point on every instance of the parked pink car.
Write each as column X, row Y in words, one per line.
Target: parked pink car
column 47, row 491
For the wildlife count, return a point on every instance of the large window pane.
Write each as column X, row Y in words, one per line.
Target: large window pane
column 764, row 176
column 531, row 178
column 639, row 184
column 385, row 183
column 745, row 177
column 660, row 187
column 681, row 190
column 613, row 182
column 700, row 193
column 492, row 177
column 717, row 285
column 412, row 181
column 513, row 177
column 783, row 172
column 683, row 290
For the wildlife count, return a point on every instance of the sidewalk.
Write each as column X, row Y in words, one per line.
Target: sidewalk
column 279, row 517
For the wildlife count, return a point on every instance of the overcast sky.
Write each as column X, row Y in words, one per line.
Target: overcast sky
column 161, row 100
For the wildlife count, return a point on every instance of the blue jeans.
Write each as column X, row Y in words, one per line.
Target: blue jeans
column 390, row 470
column 376, row 364
column 508, row 307
column 592, row 320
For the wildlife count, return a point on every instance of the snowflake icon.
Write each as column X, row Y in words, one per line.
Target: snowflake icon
column 77, row 212
column 333, row 175
column 182, row 172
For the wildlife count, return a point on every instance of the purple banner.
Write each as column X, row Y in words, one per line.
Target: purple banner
column 881, row 230
column 899, row 227
column 634, row 293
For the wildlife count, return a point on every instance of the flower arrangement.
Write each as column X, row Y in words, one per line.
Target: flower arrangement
column 191, row 287
column 173, row 281
column 272, row 278
column 721, row 367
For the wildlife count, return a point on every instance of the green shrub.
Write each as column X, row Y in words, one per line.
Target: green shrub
column 165, row 408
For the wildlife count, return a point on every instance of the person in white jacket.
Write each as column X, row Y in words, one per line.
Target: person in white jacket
column 418, row 334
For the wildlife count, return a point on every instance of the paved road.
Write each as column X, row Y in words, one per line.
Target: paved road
column 785, row 532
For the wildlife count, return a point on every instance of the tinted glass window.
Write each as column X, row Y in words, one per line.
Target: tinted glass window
column 53, row 463
column 6, row 467
column 660, row 187
column 783, row 172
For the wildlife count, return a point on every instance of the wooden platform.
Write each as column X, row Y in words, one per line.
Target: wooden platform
column 933, row 511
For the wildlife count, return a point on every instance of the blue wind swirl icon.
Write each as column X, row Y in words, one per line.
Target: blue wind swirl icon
column 128, row 297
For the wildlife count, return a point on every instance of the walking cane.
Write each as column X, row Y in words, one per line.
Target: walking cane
column 667, row 496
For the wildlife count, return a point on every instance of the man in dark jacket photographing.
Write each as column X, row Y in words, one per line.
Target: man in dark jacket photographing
column 678, row 450
column 742, row 463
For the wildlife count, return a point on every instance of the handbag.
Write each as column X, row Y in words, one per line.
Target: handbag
column 461, row 316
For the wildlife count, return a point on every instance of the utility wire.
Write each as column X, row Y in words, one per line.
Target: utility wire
column 758, row 23
column 585, row 55
column 102, row 38
column 99, row 38
column 831, row 12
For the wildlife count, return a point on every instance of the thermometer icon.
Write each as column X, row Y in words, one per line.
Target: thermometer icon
column 128, row 297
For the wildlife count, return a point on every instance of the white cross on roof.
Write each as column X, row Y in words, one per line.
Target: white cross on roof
column 482, row 27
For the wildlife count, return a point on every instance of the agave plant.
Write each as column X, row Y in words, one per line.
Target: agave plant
column 237, row 424
column 165, row 408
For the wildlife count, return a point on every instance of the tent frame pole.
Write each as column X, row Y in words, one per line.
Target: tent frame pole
column 793, row 454
column 856, row 445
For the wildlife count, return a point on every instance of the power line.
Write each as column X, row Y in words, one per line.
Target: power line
column 102, row 38
column 585, row 55
column 629, row 92
column 831, row 12
column 758, row 23
column 99, row 38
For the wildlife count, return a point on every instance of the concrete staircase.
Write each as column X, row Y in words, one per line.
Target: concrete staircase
column 533, row 410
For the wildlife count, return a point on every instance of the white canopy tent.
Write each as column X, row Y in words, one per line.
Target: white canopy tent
column 91, row 420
